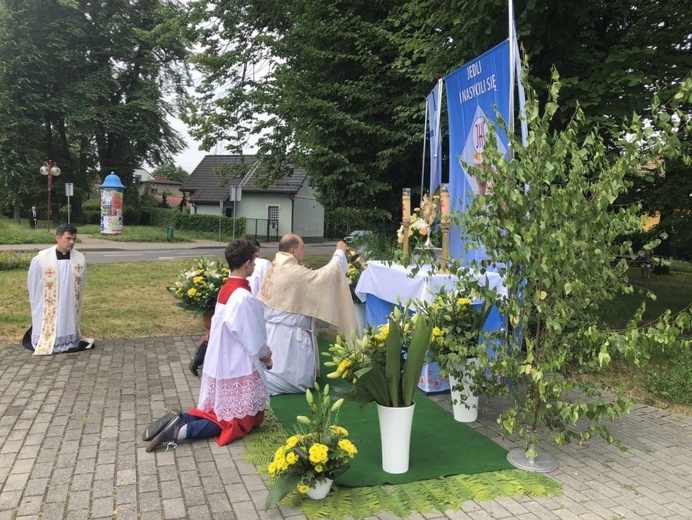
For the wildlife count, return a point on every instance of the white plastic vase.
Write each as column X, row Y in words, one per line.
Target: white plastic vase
column 466, row 411
column 320, row 489
column 395, row 434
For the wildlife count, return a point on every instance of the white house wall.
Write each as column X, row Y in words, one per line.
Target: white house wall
column 256, row 205
column 308, row 214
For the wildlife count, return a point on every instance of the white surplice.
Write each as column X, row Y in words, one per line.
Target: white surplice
column 261, row 268
column 232, row 384
column 68, row 310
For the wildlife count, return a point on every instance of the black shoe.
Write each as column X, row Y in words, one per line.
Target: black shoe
column 167, row 436
column 198, row 360
column 159, row 424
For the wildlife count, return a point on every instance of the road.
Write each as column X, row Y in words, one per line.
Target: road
column 114, row 256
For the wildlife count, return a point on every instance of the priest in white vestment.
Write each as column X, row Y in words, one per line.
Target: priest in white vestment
column 56, row 284
column 294, row 296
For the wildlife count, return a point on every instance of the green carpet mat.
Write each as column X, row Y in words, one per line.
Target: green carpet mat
column 440, row 446
column 401, row 500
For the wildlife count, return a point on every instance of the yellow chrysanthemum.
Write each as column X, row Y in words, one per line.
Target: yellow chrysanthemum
column 464, row 301
column 437, row 332
column 319, row 453
column 348, row 447
column 318, row 468
column 192, row 292
column 197, row 280
column 302, row 488
column 338, row 430
column 292, row 441
column 291, row 458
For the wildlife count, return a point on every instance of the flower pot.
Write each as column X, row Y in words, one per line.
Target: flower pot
column 395, row 435
column 466, row 410
column 207, row 316
column 320, row 489
column 359, row 309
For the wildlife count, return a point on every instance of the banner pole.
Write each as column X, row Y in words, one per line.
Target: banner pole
column 425, row 139
column 511, row 72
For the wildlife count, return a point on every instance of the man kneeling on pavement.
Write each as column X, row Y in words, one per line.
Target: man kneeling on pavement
column 233, row 393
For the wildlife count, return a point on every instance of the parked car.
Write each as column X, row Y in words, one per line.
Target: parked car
column 357, row 236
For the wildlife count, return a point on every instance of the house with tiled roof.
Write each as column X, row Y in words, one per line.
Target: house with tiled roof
column 287, row 205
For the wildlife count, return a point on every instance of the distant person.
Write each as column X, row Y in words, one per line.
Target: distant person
column 56, row 280
column 646, row 264
column 33, row 217
column 294, row 297
column 255, row 281
column 233, row 394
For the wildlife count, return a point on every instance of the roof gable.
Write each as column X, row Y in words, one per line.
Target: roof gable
column 215, row 174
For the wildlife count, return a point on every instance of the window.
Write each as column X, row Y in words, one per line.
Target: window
column 153, row 191
column 311, row 183
column 273, row 217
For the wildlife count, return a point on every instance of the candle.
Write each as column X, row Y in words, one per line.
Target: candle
column 406, row 204
column 445, row 209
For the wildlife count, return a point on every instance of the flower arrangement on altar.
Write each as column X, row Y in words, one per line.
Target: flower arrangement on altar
column 318, row 450
column 198, row 286
column 457, row 327
column 385, row 364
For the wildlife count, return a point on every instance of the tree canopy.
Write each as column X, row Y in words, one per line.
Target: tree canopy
column 343, row 84
column 88, row 86
column 171, row 172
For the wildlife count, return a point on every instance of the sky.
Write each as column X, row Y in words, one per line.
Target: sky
column 189, row 158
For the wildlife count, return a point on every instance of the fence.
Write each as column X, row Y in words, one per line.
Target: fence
column 262, row 229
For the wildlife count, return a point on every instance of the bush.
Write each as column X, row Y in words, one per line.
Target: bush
column 15, row 260
column 198, row 223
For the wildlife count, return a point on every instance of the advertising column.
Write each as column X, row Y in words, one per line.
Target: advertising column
column 112, row 205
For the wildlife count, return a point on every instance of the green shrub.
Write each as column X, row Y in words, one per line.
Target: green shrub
column 10, row 260
column 173, row 218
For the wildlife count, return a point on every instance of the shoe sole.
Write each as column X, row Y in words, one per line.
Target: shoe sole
column 156, row 426
column 156, row 442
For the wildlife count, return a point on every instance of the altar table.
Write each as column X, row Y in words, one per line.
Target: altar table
column 382, row 285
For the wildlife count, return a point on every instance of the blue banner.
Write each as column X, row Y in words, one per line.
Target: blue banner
column 474, row 92
column 434, row 109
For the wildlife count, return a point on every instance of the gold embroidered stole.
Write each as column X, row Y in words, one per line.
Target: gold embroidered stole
column 48, row 262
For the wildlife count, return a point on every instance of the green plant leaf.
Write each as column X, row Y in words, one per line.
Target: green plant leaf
column 283, row 486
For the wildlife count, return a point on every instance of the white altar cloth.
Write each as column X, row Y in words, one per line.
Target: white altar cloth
column 388, row 282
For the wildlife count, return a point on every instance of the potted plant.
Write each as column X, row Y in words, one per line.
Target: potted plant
column 318, row 452
column 385, row 366
column 456, row 346
column 198, row 286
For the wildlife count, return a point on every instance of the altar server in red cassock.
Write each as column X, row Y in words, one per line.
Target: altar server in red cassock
column 233, row 393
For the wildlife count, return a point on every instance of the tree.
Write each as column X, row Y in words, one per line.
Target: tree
column 550, row 231
column 331, row 95
column 171, row 172
column 88, row 85
column 343, row 83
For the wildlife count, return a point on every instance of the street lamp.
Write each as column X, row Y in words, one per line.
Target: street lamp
column 50, row 168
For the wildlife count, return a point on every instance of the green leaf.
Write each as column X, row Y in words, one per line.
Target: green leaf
column 282, row 487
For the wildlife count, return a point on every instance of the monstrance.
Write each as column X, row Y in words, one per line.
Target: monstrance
column 428, row 211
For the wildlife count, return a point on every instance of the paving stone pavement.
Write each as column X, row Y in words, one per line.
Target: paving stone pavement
column 71, row 448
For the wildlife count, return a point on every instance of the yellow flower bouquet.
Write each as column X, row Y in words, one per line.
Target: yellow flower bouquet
column 198, row 286
column 385, row 365
column 318, row 450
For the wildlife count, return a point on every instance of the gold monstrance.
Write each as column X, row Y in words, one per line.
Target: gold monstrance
column 428, row 211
